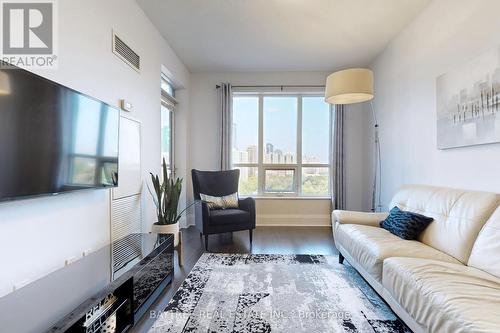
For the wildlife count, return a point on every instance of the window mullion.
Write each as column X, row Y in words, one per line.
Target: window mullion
column 260, row 170
column 298, row 178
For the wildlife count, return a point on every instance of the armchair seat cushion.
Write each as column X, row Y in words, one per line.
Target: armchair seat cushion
column 229, row 216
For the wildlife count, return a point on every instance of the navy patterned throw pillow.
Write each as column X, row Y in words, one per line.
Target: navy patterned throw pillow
column 406, row 225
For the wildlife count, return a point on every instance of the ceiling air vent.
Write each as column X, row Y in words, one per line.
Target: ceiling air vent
column 125, row 53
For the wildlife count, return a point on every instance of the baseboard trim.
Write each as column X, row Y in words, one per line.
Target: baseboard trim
column 292, row 225
column 260, row 224
column 285, row 220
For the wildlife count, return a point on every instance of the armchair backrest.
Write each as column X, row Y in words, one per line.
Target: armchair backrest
column 215, row 183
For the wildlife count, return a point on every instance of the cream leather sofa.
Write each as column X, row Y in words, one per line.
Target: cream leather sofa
column 446, row 281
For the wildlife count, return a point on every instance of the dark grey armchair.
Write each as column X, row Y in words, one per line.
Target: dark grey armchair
column 221, row 183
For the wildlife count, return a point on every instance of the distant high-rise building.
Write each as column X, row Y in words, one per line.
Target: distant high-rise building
column 252, row 154
column 243, row 156
column 244, row 174
column 277, row 156
column 309, row 159
column 239, row 156
column 288, row 158
column 253, row 157
column 269, row 148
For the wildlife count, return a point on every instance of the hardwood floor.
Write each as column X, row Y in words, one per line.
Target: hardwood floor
column 268, row 240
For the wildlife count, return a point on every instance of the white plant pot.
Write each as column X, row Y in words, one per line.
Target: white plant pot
column 167, row 229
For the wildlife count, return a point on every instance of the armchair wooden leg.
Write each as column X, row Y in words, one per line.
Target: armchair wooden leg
column 250, row 234
column 341, row 258
column 206, row 242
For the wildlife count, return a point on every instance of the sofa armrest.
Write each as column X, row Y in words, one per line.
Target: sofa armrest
column 351, row 217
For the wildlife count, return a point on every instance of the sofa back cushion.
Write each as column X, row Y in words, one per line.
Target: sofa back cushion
column 486, row 249
column 458, row 215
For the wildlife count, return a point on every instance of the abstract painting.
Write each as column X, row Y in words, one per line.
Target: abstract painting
column 468, row 103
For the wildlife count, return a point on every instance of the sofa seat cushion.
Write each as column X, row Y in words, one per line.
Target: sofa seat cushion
column 369, row 246
column 228, row 216
column 444, row 297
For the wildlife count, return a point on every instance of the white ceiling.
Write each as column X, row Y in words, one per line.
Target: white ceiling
column 279, row 35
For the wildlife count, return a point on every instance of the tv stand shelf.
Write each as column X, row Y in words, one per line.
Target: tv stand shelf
column 128, row 297
column 111, row 288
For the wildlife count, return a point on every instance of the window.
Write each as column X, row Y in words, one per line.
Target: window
column 279, row 180
column 167, row 116
column 166, row 135
column 280, row 130
column 281, row 144
column 167, row 87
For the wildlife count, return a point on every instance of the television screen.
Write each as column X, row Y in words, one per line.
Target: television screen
column 53, row 139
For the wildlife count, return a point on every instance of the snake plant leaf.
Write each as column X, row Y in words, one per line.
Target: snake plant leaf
column 166, row 196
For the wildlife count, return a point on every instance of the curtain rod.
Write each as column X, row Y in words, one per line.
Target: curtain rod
column 278, row 86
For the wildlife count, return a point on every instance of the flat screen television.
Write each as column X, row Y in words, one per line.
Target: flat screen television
column 53, row 139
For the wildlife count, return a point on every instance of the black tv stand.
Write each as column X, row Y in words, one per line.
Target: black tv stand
column 138, row 283
column 113, row 286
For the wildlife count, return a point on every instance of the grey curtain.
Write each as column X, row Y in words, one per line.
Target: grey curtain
column 226, row 106
column 337, row 190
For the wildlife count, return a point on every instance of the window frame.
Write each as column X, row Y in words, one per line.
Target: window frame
column 168, row 102
column 169, row 84
column 170, row 162
column 299, row 165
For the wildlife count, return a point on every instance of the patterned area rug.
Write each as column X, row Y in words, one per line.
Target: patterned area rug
column 275, row 293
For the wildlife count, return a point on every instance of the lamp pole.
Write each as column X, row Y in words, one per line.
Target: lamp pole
column 377, row 166
column 355, row 85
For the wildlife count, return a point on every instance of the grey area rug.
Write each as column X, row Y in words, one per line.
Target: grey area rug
column 275, row 293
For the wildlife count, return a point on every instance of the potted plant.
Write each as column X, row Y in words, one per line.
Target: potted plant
column 166, row 199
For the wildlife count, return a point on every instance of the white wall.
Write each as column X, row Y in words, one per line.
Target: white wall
column 38, row 235
column 446, row 34
column 205, row 125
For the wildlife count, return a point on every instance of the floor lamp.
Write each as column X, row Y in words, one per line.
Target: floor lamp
column 352, row 86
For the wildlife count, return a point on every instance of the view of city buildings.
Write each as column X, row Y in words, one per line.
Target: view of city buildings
column 283, row 171
column 315, row 179
column 250, row 155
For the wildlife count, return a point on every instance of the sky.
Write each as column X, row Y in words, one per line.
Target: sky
column 280, row 123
